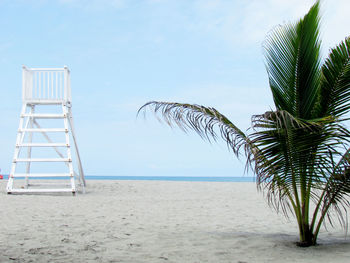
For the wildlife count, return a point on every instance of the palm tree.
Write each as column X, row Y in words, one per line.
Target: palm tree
column 300, row 151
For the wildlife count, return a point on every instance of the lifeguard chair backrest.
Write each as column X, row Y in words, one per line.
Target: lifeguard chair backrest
column 46, row 84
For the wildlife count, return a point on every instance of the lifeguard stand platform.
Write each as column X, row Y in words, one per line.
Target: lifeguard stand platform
column 45, row 131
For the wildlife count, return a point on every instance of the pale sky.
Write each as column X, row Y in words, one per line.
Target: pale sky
column 123, row 54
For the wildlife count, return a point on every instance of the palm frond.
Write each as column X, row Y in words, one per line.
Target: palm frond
column 335, row 194
column 281, row 62
column 292, row 61
column 207, row 122
column 335, row 84
column 293, row 153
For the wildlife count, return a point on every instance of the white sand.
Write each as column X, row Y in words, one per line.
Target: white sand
column 152, row 221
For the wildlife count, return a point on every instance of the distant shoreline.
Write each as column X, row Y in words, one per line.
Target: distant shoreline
column 165, row 178
column 174, row 178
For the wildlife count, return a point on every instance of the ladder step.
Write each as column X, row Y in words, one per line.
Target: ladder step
column 43, row 175
column 43, row 160
column 45, row 102
column 57, row 190
column 44, row 130
column 43, row 145
column 44, row 116
column 52, row 184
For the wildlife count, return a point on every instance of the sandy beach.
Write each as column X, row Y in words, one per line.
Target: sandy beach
column 154, row 221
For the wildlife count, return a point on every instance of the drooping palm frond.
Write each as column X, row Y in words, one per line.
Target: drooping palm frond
column 334, row 197
column 284, row 143
column 206, row 121
column 293, row 154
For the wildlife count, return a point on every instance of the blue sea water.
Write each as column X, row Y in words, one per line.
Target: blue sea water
column 173, row 178
column 166, row 178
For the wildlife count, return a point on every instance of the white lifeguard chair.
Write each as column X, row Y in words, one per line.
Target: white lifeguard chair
column 46, row 96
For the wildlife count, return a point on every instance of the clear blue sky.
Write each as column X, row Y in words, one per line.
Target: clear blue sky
column 124, row 53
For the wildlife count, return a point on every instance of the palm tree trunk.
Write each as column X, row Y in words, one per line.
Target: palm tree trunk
column 306, row 236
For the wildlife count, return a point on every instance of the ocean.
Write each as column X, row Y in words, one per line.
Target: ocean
column 164, row 178
column 173, row 178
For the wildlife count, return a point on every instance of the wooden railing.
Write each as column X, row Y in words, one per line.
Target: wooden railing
column 46, row 84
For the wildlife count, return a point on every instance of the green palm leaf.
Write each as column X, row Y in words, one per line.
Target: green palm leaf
column 292, row 55
column 335, row 90
column 206, row 121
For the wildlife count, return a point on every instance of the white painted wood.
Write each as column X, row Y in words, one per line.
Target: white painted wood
column 42, row 190
column 46, row 84
column 43, row 130
column 49, row 140
column 42, row 160
column 29, row 149
column 80, row 167
column 42, row 175
column 19, row 140
column 43, row 145
column 46, row 102
column 49, row 87
column 50, row 184
column 69, row 154
column 44, row 116
column 45, row 69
